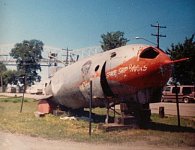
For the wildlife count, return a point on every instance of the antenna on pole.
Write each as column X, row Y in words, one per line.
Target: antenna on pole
column 158, row 35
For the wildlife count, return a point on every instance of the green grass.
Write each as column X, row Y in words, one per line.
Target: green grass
column 162, row 131
column 13, row 99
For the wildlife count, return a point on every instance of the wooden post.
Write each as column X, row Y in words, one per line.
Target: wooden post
column 1, row 84
column 107, row 114
column 161, row 112
column 114, row 110
column 23, row 94
column 177, row 103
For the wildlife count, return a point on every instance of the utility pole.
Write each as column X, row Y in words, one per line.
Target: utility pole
column 1, row 90
column 24, row 89
column 158, row 35
column 67, row 56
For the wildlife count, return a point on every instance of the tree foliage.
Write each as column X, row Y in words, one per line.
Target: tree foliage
column 113, row 40
column 184, row 71
column 2, row 68
column 28, row 55
column 10, row 77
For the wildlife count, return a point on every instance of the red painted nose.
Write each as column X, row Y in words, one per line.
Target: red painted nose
column 156, row 69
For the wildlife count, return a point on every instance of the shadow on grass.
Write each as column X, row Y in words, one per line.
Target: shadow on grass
column 168, row 128
column 97, row 118
column 151, row 125
column 101, row 118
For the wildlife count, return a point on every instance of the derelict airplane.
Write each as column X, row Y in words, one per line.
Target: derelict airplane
column 133, row 75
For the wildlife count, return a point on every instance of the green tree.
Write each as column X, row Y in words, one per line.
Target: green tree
column 184, row 71
column 2, row 67
column 10, row 77
column 113, row 40
column 28, row 55
column 2, row 70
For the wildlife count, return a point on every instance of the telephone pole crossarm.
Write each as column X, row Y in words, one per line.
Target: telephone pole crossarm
column 67, row 56
column 158, row 35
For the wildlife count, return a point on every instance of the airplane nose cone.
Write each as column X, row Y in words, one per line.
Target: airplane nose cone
column 158, row 69
column 161, row 70
column 159, row 64
column 151, row 67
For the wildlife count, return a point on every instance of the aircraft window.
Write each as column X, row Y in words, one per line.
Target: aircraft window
column 45, row 84
column 149, row 53
column 97, row 67
column 50, row 82
column 113, row 54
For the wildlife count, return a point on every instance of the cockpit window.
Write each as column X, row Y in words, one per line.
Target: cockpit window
column 149, row 53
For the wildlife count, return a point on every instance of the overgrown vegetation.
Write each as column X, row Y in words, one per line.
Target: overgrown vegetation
column 185, row 71
column 162, row 131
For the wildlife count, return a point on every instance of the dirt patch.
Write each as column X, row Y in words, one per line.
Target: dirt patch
column 11, row 141
column 3, row 96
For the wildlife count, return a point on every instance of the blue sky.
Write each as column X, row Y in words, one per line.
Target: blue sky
column 80, row 23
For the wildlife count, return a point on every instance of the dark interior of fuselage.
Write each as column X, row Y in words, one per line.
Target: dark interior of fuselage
column 149, row 53
column 104, row 83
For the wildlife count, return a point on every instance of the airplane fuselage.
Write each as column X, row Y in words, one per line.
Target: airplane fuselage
column 129, row 73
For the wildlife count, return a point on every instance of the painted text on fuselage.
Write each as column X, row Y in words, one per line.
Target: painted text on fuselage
column 130, row 68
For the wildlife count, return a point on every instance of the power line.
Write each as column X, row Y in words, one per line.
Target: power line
column 158, row 35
